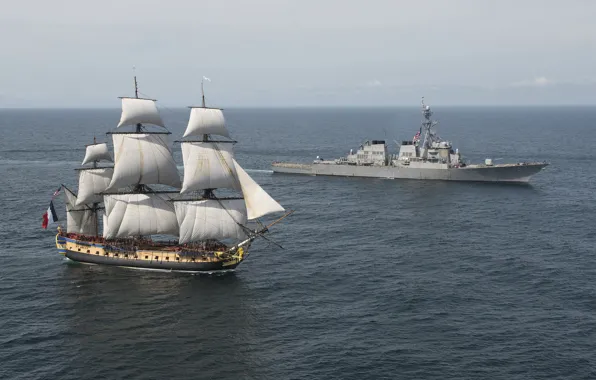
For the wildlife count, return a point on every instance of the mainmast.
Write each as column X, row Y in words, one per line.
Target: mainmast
column 136, row 88
column 139, row 125
column 427, row 125
column 137, row 145
column 205, row 136
column 207, row 193
column 142, row 158
column 95, row 206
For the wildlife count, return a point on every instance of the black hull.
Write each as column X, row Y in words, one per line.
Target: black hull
column 154, row 264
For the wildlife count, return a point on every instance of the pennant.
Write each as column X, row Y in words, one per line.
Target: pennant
column 49, row 216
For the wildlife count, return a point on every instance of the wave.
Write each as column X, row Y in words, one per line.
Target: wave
column 259, row 171
column 38, row 162
column 53, row 150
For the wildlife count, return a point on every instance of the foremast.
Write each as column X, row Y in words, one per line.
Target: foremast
column 209, row 166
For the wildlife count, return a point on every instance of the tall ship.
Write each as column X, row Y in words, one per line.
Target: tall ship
column 139, row 213
column 426, row 157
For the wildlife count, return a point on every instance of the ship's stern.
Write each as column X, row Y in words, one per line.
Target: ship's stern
column 60, row 243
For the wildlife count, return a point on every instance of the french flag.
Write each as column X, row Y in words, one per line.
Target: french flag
column 49, row 216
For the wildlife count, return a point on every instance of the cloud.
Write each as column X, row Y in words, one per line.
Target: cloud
column 373, row 83
column 536, row 82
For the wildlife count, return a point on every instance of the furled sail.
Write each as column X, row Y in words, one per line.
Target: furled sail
column 258, row 202
column 79, row 220
column 211, row 219
column 143, row 158
column 208, row 166
column 206, row 121
column 136, row 110
column 93, row 181
column 139, row 214
column 97, row 152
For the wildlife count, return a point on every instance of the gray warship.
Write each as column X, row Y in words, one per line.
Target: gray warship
column 433, row 159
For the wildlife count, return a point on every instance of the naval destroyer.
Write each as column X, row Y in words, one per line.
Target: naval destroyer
column 429, row 159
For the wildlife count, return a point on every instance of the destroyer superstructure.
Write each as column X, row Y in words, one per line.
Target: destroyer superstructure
column 142, row 195
column 426, row 157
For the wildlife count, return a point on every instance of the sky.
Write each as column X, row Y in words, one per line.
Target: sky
column 286, row 53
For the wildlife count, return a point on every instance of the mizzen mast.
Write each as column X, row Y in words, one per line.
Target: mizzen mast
column 83, row 209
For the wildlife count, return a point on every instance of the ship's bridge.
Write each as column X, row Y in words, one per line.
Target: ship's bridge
column 408, row 150
column 441, row 145
column 440, row 151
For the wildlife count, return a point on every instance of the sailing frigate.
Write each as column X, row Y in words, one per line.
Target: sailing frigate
column 434, row 159
column 141, row 196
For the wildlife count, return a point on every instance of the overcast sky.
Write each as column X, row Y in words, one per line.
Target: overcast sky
column 80, row 53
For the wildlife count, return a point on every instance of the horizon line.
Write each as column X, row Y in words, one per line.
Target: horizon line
column 317, row 106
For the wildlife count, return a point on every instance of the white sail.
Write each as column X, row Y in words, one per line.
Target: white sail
column 97, row 152
column 205, row 121
column 207, row 219
column 258, row 202
column 143, row 111
column 139, row 214
column 79, row 220
column 106, row 229
column 208, row 166
column 143, row 158
column 91, row 183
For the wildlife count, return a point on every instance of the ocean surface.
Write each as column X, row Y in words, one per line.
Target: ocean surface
column 378, row 279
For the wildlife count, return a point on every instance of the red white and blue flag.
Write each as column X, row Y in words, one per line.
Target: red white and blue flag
column 49, row 216
column 416, row 136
